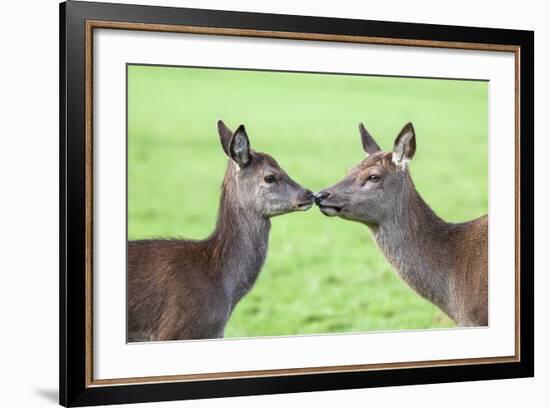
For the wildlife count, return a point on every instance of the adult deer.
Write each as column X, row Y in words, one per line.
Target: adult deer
column 185, row 289
column 443, row 262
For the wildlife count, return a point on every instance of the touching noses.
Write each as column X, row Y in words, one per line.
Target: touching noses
column 306, row 197
column 321, row 196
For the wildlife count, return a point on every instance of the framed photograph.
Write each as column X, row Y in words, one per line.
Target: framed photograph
column 256, row 203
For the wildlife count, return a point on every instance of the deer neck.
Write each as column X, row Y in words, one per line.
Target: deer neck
column 418, row 245
column 240, row 243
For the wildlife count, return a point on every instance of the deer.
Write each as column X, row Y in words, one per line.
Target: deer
column 181, row 289
column 445, row 263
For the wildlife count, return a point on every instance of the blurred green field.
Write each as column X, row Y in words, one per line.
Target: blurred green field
column 322, row 275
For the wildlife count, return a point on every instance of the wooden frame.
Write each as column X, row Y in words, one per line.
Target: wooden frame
column 77, row 22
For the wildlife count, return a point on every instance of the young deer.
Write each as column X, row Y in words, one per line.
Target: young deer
column 185, row 289
column 444, row 263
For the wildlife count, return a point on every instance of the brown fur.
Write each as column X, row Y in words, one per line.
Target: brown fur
column 187, row 289
column 445, row 263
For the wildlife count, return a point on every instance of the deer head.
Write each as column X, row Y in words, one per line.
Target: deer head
column 255, row 181
column 376, row 188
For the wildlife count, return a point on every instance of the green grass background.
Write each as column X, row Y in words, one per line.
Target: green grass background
column 322, row 275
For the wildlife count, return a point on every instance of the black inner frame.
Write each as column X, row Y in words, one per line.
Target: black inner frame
column 73, row 391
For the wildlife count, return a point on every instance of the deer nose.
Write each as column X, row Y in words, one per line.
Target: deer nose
column 321, row 196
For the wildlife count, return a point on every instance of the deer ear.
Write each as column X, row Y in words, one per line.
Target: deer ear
column 405, row 146
column 239, row 148
column 368, row 142
column 225, row 136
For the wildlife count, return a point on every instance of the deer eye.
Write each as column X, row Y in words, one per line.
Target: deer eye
column 269, row 179
column 374, row 178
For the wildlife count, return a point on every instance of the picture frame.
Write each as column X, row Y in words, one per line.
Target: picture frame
column 79, row 21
